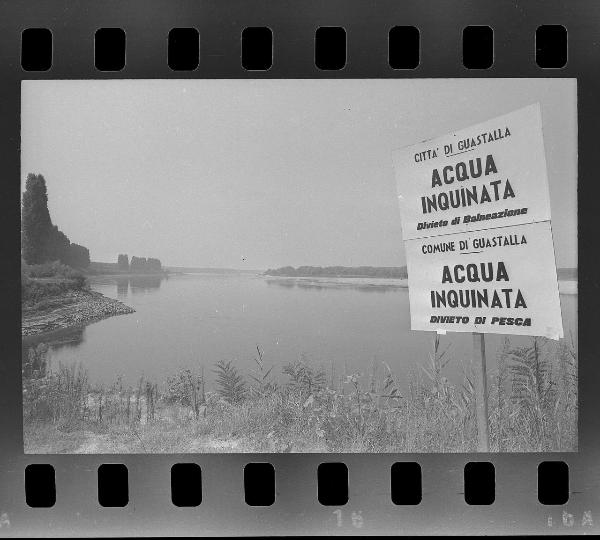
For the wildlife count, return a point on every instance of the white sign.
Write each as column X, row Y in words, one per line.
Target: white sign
column 499, row 281
column 492, row 174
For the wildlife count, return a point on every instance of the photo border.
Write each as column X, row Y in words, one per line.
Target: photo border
column 296, row 509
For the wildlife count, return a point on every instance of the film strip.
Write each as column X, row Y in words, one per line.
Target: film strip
column 50, row 487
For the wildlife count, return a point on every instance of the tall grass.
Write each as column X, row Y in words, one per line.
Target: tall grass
column 42, row 281
column 230, row 383
column 532, row 405
column 59, row 396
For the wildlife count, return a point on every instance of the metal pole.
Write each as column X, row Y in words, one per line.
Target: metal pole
column 481, row 394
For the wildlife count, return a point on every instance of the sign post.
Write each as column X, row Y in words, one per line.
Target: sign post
column 475, row 211
column 481, row 401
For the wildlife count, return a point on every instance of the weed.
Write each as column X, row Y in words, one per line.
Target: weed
column 304, row 378
column 230, row 384
column 262, row 384
column 532, row 407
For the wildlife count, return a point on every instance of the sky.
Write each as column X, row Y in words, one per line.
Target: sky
column 259, row 174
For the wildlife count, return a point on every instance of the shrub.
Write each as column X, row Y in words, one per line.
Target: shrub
column 230, row 384
column 532, row 405
column 78, row 256
column 303, row 377
column 186, row 388
column 79, row 282
column 45, row 270
column 64, row 278
column 54, row 269
column 58, row 396
column 34, row 291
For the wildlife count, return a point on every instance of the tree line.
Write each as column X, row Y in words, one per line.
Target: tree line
column 139, row 264
column 396, row 272
column 41, row 240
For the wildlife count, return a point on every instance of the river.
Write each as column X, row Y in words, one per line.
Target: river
column 189, row 320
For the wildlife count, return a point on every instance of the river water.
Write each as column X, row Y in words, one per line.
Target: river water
column 189, row 320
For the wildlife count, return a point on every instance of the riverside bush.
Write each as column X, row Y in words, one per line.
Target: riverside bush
column 41, row 281
column 50, row 269
column 532, row 407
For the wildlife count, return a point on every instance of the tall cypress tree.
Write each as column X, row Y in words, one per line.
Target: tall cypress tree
column 36, row 225
column 41, row 241
column 58, row 247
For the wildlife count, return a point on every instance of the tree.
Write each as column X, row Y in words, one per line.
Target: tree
column 153, row 265
column 138, row 264
column 36, row 225
column 78, row 256
column 123, row 262
column 41, row 241
column 58, row 246
column 141, row 265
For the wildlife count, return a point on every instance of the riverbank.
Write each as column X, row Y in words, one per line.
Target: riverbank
column 366, row 283
column 70, row 309
column 361, row 283
column 313, row 411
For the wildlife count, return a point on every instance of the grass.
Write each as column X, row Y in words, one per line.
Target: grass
column 41, row 283
column 532, row 407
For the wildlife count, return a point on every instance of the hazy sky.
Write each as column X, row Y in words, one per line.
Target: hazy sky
column 263, row 173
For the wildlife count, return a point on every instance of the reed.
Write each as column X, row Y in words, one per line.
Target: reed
column 262, row 383
column 230, row 383
column 532, row 406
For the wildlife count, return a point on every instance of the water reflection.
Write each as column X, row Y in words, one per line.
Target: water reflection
column 144, row 284
column 286, row 284
column 67, row 338
column 315, row 285
column 204, row 318
column 122, row 286
column 137, row 284
column 379, row 288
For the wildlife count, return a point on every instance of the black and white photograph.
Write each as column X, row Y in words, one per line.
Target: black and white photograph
column 309, row 265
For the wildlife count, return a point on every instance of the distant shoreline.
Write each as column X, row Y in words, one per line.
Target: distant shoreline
column 360, row 282
column 125, row 274
column 130, row 275
column 565, row 286
column 373, row 272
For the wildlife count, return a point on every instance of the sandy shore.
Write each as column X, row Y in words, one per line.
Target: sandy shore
column 74, row 308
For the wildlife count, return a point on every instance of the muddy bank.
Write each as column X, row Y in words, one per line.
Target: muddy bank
column 72, row 309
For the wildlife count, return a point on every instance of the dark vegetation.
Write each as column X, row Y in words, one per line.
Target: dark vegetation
column 142, row 265
column 40, row 281
column 532, row 407
column 205, row 270
column 51, row 264
column 138, row 265
column 41, row 241
column 123, row 262
column 394, row 272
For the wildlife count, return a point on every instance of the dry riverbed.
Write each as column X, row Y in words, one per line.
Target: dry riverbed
column 73, row 308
